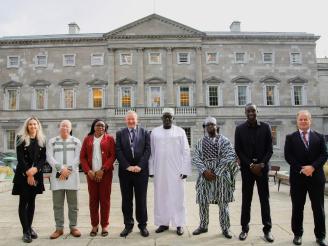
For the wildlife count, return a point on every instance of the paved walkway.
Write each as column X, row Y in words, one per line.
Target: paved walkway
column 44, row 222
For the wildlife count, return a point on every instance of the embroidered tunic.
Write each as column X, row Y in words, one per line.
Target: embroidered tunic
column 218, row 155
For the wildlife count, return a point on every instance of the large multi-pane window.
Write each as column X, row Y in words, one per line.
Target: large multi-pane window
column 97, row 97
column 298, row 95
column 40, row 98
column 68, row 98
column 155, row 96
column 12, row 99
column 126, row 97
column 274, row 135
column 242, row 95
column 270, row 95
column 184, row 96
column 10, row 139
column 188, row 134
column 213, row 95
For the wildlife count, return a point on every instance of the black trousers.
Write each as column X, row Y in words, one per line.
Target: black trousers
column 26, row 208
column 136, row 183
column 300, row 185
column 262, row 182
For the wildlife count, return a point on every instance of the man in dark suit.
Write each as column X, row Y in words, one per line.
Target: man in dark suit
column 253, row 145
column 133, row 151
column 306, row 153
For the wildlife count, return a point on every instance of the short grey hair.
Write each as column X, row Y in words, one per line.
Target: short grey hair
column 307, row 112
column 131, row 112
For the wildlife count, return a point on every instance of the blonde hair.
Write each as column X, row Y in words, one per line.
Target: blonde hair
column 24, row 136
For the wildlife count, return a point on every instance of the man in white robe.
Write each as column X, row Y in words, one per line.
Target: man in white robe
column 169, row 164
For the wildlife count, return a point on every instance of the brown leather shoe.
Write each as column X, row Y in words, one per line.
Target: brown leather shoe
column 75, row 232
column 56, row 234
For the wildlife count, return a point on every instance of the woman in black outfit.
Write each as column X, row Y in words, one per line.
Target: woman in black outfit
column 28, row 180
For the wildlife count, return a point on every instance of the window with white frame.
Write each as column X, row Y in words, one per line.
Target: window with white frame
column 240, row 57
column 267, row 57
column 295, row 58
column 126, row 96
column 13, row 61
column 40, row 98
column 126, row 59
column 212, row 57
column 184, row 96
column 155, row 96
column 242, row 95
column 68, row 98
column 97, row 97
column 298, row 95
column 10, row 140
column 213, row 95
column 11, row 99
column 69, row 60
column 155, row 58
column 41, row 60
column 97, row 59
column 183, row 57
column 275, row 135
column 270, row 92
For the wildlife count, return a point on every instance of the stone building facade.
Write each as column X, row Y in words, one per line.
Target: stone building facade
column 153, row 63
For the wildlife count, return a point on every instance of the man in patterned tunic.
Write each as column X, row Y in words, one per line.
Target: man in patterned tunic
column 215, row 160
column 63, row 154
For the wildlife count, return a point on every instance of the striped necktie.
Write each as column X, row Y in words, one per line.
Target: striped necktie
column 306, row 142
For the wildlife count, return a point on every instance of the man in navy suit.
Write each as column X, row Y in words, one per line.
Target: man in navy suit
column 132, row 152
column 306, row 153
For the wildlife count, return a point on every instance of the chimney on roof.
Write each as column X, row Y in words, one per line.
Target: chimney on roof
column 235, row 26
column 73, row 28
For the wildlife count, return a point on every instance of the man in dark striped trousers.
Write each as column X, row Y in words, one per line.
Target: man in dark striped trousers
column 215, row 159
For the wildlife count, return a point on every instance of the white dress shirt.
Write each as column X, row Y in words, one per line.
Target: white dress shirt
column 96, row 154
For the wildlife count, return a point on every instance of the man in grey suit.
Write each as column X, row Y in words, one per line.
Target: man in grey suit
column 132, row 152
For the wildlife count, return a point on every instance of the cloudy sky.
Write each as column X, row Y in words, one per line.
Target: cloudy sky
column 22, row 17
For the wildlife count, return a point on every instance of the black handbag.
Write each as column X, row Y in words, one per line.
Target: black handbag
column 46, row 168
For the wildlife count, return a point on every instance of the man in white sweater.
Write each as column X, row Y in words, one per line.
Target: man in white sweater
column 63, row 154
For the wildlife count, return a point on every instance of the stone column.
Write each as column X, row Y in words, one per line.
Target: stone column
column 169, row 78
column 141, row 79
column 199, row 78
column 111, row 78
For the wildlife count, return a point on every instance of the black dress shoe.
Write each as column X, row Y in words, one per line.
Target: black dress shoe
column 180, row 230
column 161, row 229
column 27, row 238
column 200, row 230
column 242, row 236
column 268, row 236
column 227, row 234
column 297, row 240
column 144, row 232
column 33, row 234
column 321, row 242
column 126, row 231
